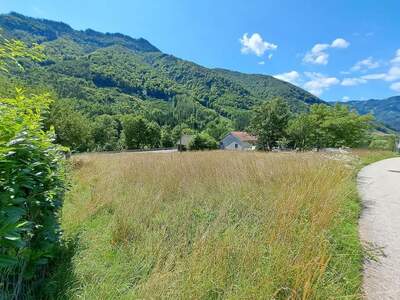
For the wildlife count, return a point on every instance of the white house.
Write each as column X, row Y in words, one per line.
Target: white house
column 238, row 140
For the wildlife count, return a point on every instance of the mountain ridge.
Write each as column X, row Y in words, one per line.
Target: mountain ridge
column 386, row 110
column 104, row 73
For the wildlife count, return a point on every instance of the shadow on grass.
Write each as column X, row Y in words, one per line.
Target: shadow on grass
column 60, row 280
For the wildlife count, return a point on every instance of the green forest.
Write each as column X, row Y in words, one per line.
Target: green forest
column 103, row 81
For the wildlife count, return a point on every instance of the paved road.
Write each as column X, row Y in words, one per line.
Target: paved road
column 379, row 187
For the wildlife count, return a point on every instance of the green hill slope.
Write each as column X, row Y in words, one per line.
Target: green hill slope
column 115, row 74
column 386, row 111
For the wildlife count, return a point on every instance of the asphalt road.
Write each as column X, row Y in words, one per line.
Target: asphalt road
column 379, row 187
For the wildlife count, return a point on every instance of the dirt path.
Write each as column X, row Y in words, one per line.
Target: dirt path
column 379, row 187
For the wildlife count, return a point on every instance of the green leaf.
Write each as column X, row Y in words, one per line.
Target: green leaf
column 7, row 261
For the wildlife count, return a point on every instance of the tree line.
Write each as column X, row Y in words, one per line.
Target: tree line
column 321, row 126
column 273, row 122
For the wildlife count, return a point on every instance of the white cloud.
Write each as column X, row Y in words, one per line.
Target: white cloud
column 365, row 64
column 340, row 43
column 392, row 75
column 255, row 44
column 396, row 59
column 377, row 76
column 292, row 77
column 261, row 62
column 319, row 83
column 353, row 81
column 270, row 56
column 395, row 87
column 318, row 55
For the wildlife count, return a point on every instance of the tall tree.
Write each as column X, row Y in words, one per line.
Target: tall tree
column 72, row 128
column 105, row 132
column 140, row 133
column 269, row 122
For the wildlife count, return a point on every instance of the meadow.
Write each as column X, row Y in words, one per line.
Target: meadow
column 211, row 225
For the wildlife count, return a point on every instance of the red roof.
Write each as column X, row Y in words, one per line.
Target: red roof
column 244, row 136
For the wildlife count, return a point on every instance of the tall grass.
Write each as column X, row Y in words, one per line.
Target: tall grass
column 211, row 225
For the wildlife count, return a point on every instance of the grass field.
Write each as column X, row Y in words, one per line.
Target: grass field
column 211, row 225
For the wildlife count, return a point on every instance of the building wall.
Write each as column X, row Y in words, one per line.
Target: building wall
column 230, row 142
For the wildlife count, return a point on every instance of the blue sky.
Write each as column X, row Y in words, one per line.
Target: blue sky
column 337, row 49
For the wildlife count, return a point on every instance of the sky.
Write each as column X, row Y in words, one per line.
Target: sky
column 338, row 50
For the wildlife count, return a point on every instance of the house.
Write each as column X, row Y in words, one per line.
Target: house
column 183, row 142
column 238, row 140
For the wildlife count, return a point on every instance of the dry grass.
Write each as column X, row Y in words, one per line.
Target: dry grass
column 213, row 225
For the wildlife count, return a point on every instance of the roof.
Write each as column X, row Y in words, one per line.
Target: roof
column 244, row 136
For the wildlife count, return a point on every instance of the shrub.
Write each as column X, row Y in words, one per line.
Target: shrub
column 383, row 142
column 31, row 188
column 203, row 141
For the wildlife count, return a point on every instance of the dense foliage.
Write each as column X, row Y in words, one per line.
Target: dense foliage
column 322, row 126
column 31, row 185
column 94, row 74
column 269, row 123
column 203, row 141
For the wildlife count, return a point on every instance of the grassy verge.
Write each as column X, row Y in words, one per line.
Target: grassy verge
column 212, row 225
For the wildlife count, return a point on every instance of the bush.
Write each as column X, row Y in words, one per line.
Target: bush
column 383, row 142
column 31, row 190
column 31, row 185
column 203, row 141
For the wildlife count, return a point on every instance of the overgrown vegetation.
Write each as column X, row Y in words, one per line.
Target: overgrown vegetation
column 226, row 225
column 322, row 126
column 31, row 185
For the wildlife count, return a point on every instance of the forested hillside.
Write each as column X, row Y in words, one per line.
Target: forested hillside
column 386, row 111
column 94, row 74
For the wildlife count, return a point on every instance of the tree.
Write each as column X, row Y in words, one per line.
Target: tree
column 72, row 128
column 153, row 132
column 105, row 133
column 203, row 141
column 166, row 137
column 140, row 133
column 302, row 132
column 345, row 128
column 269, row 122
column 218, row 128
column 327, row 126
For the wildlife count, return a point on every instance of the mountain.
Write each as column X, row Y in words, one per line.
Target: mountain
column 111, row 73
column 386, row 111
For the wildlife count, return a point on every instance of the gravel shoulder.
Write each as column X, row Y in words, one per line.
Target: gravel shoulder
column 379, row 188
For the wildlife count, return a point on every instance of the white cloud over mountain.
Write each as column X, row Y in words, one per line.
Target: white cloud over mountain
column 392, row 74
column 319, row 83
column 395, row 87
column 292, row 77
column 318, row 54
column 353, row 81
column 255, row 44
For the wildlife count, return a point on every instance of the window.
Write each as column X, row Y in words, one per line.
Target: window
column 236, row 146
